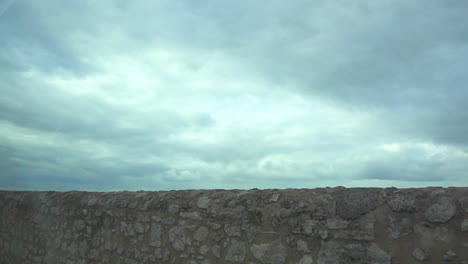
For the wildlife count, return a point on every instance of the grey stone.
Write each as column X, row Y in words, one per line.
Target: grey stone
column 274, row 197
column 464, row 203
column 79, row 225
column 376, row 255
column 251, row 233
column 168, row 220
column 155, row 235
column 94, row 254
column 361, row 229
column 402, row 200
column 91, row 200
column 335, row 223
column 450, row 255
column 356, row 202
column 464, row 225
column 314, row 228
column 139, row 228
column 178, row 238
column 419, row 254
column 203, row 202
column 399, row 226
column 83, row 248
column 302, row 246
column 232, row 230
column 429, row 235
column 307, row 259
column 191, row 215
column 332, row 253
column 204, row 249
column 441, row 211
column 201, row 233
column 214, row 226
column 272, row 253
column 216, row 250
column 173, row 208
column 236, row 251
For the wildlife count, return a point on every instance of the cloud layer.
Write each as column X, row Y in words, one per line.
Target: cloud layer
column 117, row 95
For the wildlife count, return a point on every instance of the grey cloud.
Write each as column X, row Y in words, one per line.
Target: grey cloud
column 398, row 67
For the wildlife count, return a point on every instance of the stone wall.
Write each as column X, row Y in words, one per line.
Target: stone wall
column 297, row 226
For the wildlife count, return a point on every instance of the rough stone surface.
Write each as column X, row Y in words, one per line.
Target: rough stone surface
column 155, row 235
column 419, row 254
column 464, row 203
column 356, row 202
column 464, row 225
column 307, row 259
column 202, row 202
column 178, row 238
column 361, row 229
column 441, row 211
column 201, row 233
column 399, row 226
column 405, row 200
column 291, row 226
column 236, row 251
column 332, row 252
column 450, row 255
column 271, row 253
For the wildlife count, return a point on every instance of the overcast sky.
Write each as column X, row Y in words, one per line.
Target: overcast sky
column 162, row 95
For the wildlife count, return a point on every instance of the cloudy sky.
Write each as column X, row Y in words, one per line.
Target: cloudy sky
column 162, row 95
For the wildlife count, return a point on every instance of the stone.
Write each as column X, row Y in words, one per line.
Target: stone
column 441, row 211
column 91, row 200
column 419, row 254
column 274, row 197
column 155, row 235
column 464, row 225
column 450, row 255
column 191, row 215
column 356, row 202
column 464, row 203
column 93, row 254
column 307, row 259
column 361, row 229
column 331, row 252
column 429, row 235
column 377, row 255
column 173, row 208
column 314, row 228
column 201, row 233
column 204, row 249
column 271, row 253
column 232, row 230
column 399, row 227
column 216, row 250
column 236, row 252
column 302, row 246
column 202, row 202
column 251, row 233
column 335, row 223
column 402, row 200
column 79, row 225
column 139, row 228
column 178, row 238
column 214, row 226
